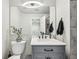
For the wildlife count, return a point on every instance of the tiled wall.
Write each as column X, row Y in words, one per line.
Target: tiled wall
column 73, row 29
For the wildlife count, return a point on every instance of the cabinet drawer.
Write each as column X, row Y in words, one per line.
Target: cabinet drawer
column 49, row 56
column 48, row 49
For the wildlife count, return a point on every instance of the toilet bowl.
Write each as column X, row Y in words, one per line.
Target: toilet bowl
column 17, row 49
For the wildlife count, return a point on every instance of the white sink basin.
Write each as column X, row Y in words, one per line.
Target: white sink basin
column 36, row 41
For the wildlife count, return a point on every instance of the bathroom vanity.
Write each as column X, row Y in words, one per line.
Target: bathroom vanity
column 47, row 49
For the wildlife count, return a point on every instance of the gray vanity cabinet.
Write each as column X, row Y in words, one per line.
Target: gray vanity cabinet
column 48, row 52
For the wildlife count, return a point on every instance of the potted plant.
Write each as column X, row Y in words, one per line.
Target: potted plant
column 17, row 31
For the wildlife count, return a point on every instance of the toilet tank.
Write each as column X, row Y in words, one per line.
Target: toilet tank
column 18, row 47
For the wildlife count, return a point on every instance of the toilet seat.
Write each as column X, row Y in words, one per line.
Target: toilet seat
column 15, row 57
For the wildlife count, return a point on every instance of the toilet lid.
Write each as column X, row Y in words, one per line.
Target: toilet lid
column 14, row 57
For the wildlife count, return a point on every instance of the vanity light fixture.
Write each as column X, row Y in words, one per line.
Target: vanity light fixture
column 32, row 4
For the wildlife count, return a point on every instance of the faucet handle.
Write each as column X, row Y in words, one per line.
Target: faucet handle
column 39, row 37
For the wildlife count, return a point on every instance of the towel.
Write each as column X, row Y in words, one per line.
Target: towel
column 51, row 28
column 60, row 28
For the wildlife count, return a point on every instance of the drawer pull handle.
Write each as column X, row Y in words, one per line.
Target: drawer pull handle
column 47, row 58
column 48, row 50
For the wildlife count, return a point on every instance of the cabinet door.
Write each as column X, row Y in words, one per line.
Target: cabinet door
column 57, row 56
column 40, row 56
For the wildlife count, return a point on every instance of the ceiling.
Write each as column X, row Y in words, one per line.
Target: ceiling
column 40, row 10
column 20, row 2
column 44, row 9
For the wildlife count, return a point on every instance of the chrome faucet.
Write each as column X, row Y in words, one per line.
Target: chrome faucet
column 42, row 33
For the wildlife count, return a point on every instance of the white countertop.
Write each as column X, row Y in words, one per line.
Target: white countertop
column 37, row 41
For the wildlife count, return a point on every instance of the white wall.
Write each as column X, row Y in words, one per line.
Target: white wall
column 5, row 27
column 14, row 16
column 63, row 10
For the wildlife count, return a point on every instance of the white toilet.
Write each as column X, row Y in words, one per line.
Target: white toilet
column 17, row 49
